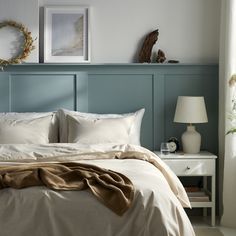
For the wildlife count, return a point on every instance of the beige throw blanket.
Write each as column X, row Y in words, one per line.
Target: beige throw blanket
column 113, row 189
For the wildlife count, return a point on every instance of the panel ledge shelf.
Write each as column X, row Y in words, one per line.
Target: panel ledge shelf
column 210, row 67
column 119, row 64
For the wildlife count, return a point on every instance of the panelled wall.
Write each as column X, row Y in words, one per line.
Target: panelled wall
column 116, row 88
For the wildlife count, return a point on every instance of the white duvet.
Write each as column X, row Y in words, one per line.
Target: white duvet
column 156, row 210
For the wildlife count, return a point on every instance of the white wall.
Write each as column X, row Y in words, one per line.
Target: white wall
column 189, row 29
column 25, row 12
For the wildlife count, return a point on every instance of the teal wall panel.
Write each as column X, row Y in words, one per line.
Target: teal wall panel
column 41, row 92
column 116, row 88
column 159, row 112
column 81, row 92
column 4, row 92
column 192, row 85
column 123, row 93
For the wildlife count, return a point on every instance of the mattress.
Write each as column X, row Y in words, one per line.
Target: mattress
column 157, row 207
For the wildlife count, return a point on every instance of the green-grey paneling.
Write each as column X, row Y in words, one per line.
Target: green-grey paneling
column 43, row 92
column 159, row 112
column 192, row 85
column 4, row 92
column 81, row 93
column 39, row 91
column 210, row 90
column 122, row 93
column 116, row 88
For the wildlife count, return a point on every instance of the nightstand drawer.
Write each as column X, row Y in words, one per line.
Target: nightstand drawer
column 191, row 167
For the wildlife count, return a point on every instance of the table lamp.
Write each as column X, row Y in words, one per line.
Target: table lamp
column 191, row 110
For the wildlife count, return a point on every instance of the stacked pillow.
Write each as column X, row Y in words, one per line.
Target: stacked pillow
column 22, row 128
column 74, row 127
column 90, row 128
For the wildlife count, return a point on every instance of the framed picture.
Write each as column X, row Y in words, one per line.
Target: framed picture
column 66, row 34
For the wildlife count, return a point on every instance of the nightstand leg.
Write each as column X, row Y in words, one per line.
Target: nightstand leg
column 213, row 213
column 213, row 209
column 205, row 187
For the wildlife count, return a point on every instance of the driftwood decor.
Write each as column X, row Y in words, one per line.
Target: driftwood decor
column 146, row 50
column 160, row 56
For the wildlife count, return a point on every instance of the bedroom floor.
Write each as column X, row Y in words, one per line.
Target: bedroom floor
column 214, row 231
column 204, row 229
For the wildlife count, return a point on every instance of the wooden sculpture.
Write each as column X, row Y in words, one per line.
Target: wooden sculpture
column 160, row 56
column 146, row 51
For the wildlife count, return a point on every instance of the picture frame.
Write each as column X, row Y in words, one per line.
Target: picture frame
column 66, row 34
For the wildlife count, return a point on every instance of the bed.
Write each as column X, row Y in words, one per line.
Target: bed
column 159, row 197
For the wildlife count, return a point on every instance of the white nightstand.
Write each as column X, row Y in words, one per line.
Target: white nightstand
column 201, row 164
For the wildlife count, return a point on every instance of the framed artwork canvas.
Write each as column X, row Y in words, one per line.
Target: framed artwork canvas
column 66, row 34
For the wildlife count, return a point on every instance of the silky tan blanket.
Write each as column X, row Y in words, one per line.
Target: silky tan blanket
column 130, row 152
column 113, row 189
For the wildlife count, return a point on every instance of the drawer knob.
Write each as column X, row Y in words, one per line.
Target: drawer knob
column 188, row 168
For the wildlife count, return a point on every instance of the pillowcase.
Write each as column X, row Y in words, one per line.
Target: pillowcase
column 103, row 130
column 24, row 115
column 134, row 135
column 21, row 128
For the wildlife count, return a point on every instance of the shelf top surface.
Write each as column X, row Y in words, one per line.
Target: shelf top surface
column 181, row 155
column 116, row 64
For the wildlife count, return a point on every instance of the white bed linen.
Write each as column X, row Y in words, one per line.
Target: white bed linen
column 40, row 211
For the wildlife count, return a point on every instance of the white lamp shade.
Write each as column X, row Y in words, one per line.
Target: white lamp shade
column 190, row 110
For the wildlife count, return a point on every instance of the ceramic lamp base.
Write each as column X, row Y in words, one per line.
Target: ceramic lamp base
column 191, row 140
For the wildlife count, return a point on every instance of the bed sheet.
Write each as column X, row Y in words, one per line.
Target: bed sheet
column 156, row 209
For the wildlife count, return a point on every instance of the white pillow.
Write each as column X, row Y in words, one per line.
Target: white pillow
column 103, row 130
column 134, row 132
column 24, row 115
column 28, row 127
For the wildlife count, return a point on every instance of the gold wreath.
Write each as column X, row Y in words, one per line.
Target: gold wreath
column 27, row 46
